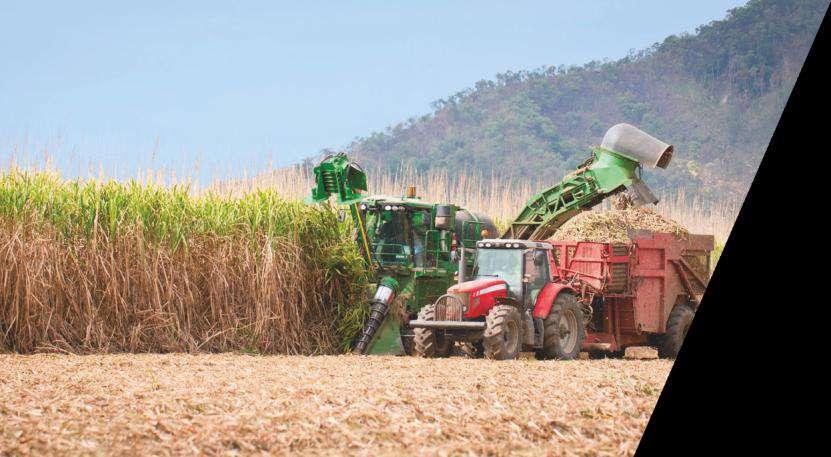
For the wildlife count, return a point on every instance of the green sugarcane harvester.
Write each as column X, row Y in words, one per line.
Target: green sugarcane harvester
column 411, row 246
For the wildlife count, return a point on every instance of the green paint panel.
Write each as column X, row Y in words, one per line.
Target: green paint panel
column 608, row 173
column 387, row 339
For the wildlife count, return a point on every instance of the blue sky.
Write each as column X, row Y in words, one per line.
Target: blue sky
column 223, row 88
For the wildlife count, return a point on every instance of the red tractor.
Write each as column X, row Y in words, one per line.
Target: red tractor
column 590, row 296
column 513, row 303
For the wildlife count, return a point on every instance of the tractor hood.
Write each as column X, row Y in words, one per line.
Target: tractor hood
column 480, row 295
column 478, row 285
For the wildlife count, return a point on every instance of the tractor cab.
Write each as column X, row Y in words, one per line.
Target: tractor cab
column 524, row 266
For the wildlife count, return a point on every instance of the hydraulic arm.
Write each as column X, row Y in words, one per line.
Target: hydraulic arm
column 613, row 167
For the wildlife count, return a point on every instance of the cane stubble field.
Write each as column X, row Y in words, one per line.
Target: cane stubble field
column 233, row 404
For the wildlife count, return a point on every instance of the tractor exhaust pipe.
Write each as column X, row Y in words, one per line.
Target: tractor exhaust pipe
column 631, row 141
column 379, row 307
column 462, row 264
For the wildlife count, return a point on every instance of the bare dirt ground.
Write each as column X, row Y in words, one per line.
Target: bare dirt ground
column 228, row 404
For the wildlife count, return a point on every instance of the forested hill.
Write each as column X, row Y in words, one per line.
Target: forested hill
column 716, row 95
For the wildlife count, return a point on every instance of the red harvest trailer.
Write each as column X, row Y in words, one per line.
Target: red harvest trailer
column 641, row 293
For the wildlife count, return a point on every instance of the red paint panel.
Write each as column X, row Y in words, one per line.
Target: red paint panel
column 546, row 298
column 476, row 284
column 484, row 298
column 649, row 305
column 651, row 269
column 482, row 294
column 590, row 260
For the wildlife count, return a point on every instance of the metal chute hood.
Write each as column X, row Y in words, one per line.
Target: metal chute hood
column 631, row 141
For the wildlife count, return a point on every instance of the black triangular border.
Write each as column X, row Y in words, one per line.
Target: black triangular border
column 726, row 392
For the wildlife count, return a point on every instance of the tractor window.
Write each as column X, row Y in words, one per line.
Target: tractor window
column 536, row 274
column 501, row 263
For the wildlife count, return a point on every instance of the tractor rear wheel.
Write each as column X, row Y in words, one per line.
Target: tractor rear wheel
column 502, row 338
column 564, row 329
column 678, row 324
column 428, row 342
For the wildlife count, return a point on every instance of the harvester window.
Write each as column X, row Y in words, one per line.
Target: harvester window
column 390, row 243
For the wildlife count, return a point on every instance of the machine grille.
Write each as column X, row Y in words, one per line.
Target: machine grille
column 450, row 307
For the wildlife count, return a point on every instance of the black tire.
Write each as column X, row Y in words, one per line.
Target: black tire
column 678, row 324
column 565, row 329
column 503, row 334
column 429, row 342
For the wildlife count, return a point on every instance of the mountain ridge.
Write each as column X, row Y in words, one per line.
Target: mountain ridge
column 715, row 94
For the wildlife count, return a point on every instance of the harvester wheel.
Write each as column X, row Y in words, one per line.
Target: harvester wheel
column 678, row 323
column 429, row 342
column 564, row 329
column 502, row 335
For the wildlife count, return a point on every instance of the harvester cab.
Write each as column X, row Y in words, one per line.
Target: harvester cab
column 410, row 247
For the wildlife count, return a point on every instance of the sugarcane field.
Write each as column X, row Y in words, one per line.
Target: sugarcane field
column 168, row 322
column 335, row 228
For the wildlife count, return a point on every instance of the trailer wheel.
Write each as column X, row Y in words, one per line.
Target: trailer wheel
column 428, row 342
column 564, row 329
column 678, row 324
column 502, row 335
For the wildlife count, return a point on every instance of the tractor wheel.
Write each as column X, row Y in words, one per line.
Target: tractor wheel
column 502, row 339
column 428, row 342
column 564, row 329
column 678, row 323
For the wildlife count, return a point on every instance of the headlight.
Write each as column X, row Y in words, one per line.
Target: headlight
column 363, row 207
column 487, row 245
column 388, row 207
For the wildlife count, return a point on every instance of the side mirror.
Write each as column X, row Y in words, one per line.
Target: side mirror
column 341, row 215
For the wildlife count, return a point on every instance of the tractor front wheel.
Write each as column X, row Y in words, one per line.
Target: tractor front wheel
column 428, row 342
column 502, row 339
column 564, row 329
column 678, row 323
